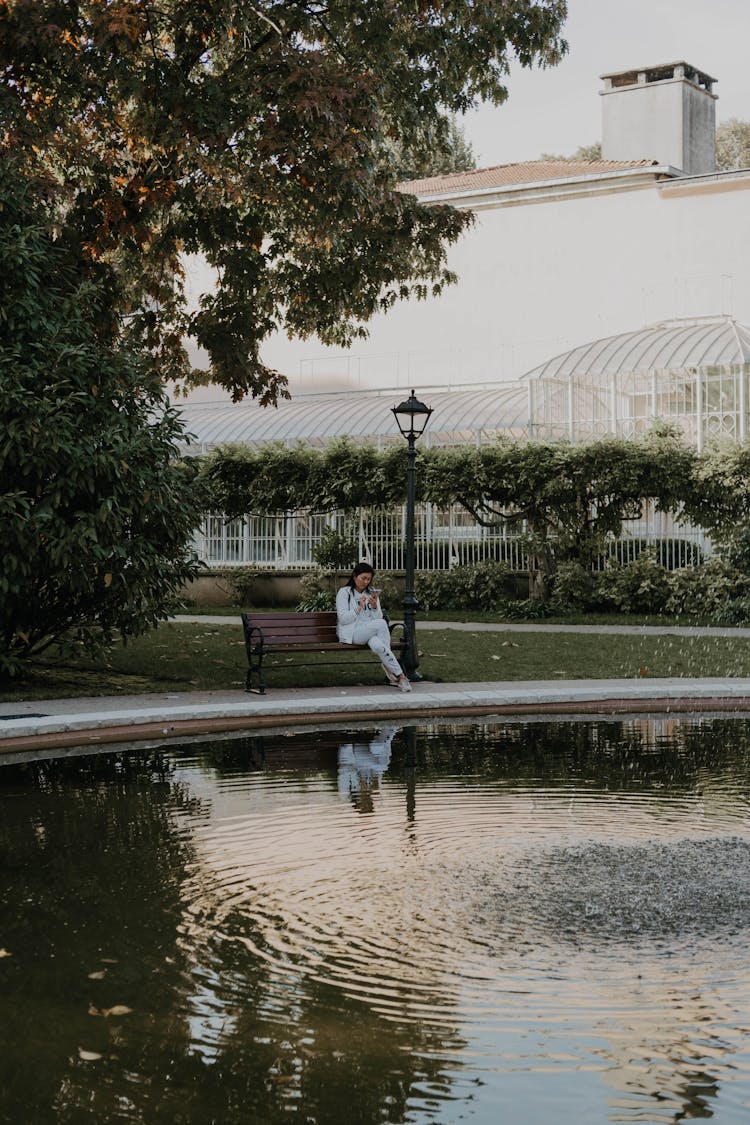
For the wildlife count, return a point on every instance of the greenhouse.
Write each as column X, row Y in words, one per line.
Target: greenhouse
column 467, row 415
column 693, row 373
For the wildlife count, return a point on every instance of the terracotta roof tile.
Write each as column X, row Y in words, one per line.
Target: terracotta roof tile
column 526, row 172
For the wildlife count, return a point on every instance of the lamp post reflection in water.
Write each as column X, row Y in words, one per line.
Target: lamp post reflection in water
column 412, row 417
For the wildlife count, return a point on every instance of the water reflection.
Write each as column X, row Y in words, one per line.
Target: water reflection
column 540, row 922
column 361, row 764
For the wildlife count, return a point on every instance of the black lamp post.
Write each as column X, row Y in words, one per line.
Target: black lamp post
column 412, row 417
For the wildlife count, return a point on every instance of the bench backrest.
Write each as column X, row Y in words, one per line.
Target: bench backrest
column 315, row 627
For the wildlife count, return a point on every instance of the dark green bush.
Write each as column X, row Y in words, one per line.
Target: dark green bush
column 485, row 585
column 640, row 587
column 574, row 587
column 715, row 589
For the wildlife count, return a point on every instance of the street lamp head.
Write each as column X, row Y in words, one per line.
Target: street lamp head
column 412, row 417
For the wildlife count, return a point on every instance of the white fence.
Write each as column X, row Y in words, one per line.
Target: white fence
column 443, row 539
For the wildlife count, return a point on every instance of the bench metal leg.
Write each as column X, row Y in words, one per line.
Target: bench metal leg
column 255, row 665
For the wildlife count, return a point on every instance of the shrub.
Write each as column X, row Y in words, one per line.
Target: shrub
column 708, row 590
column 672, row 554
column 335, row 550
column 316, row 592
column 526, row 609
column 484, row 585
column 640, row 587
column 574, row 587
column 237, row 581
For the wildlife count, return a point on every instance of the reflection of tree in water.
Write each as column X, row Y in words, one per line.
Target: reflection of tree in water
column 91, row 860
column 292, row 1042
column 95, row 853
column 614, row 754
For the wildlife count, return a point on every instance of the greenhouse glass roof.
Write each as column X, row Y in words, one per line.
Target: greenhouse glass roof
column 459, row 416
column 677, row 344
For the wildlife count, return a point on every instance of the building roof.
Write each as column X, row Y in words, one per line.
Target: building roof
column 674, row 344
column 458, row 416
column 526, row 172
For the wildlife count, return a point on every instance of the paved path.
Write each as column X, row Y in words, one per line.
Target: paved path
column 59, row 726
column 540, row 627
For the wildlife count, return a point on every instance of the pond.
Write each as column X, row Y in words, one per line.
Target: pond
column 479, row 922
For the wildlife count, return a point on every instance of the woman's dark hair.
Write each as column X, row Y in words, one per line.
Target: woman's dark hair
column 360, row 568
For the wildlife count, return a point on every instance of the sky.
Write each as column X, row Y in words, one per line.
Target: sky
column 558, row 109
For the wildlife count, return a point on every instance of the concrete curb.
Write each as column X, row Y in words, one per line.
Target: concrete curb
column 70, row 722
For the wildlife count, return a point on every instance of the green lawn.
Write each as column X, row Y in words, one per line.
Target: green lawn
column 185, row 657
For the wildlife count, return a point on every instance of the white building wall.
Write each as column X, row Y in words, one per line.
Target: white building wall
column 539, row 278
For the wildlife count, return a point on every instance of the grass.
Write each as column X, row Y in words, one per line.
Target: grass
column 188, row 657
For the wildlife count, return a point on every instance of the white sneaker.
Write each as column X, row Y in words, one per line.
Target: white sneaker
column 403, row 684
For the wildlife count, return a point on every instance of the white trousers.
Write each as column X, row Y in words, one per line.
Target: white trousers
column 375, row 634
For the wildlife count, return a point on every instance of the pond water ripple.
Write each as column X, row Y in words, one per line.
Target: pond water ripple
column 552, row 929
column 546, row 924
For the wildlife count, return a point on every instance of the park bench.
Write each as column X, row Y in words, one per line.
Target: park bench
column 301, row 633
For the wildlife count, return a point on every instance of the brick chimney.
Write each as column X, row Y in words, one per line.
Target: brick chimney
column 665, row 113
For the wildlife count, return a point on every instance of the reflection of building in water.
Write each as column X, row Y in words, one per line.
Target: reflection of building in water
column 361, row 765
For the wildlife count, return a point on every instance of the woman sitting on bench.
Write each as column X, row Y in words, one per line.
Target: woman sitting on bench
column 360, row 621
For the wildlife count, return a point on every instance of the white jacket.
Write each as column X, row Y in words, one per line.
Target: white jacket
column 348, row 613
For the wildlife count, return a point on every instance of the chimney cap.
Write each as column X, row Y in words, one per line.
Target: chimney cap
column 663, row 72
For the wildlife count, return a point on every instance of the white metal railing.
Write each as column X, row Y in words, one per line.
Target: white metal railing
column 442, row 539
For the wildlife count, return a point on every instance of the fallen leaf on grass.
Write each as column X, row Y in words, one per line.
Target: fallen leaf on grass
column 509, row 644
column 100, row 974
column 116, row 1010
column 5, row 953
column 88, row 1056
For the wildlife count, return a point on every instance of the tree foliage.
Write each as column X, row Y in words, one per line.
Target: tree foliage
column 258, row 135
column 437, row 150
column 583, row 152
column 95, row 512
column 274, row 479
column 566, row 499
column 732, row 145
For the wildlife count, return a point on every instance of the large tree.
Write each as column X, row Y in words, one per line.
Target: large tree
column 258, row 135
column 96, row 509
